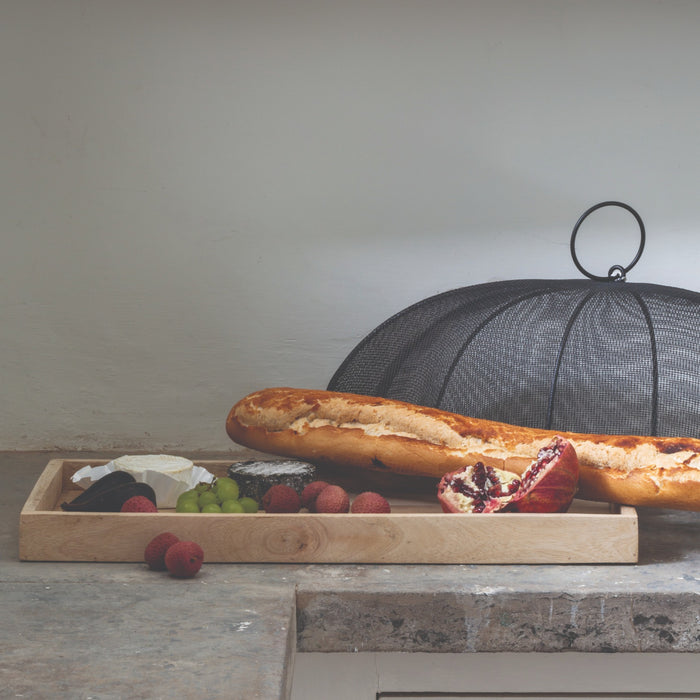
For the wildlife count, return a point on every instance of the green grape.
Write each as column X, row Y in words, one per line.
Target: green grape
column 206, row 498
column 232, row 506
column 249, row 504
column 211, row 508
column 187, row 505
column 226, row 490
column 202, row 487
column 188, row 496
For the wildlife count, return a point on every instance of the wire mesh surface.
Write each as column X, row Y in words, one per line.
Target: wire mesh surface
column 580, row 355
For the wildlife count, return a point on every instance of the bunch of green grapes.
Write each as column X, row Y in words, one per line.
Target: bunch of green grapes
column 220, row 496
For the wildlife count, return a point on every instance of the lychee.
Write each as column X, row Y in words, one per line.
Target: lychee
column 281, row 498
column 310, row 492
column 184, row 559
column 370, row 502
column 154, row 554
column 138, row 504
column 333, row 499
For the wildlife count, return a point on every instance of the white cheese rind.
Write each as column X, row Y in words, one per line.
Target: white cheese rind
column 177, row 467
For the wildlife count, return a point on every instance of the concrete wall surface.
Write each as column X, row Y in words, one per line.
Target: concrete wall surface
column 201, row 199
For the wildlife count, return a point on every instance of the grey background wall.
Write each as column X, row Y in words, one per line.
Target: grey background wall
column 200, row 199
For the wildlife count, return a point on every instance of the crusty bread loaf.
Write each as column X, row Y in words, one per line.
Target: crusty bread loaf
column 349, row 430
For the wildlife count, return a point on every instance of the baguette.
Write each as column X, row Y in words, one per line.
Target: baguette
column 366, row 432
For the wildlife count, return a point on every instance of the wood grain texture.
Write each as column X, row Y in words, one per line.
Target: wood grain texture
column 415, row 532
column 48, row 487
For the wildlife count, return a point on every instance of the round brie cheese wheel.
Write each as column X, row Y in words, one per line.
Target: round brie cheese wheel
column 175, row 467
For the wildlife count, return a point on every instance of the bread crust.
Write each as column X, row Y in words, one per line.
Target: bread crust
column 337, row 429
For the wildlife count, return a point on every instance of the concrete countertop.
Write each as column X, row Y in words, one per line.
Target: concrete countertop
column 116, row 630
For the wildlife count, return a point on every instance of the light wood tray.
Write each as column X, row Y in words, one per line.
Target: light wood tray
column 415, row 532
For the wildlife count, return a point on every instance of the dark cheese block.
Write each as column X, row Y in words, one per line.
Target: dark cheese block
column 254, row 477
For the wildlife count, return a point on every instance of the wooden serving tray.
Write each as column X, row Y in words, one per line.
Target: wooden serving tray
column 415, row 532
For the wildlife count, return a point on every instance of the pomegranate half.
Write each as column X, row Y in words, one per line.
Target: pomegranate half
column 548, row 485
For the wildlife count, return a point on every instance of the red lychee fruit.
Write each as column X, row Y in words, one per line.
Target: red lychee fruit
column 154, row 554
column 184, row 559
column 281, row 498
column 310, row 493
column 333, row 499
column 138, row 504
column 370, row 502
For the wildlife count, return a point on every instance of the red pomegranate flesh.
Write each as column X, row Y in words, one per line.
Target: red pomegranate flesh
column 477, row 489
column 548, row 485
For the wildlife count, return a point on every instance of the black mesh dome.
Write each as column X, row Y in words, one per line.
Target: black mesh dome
column 581, row 355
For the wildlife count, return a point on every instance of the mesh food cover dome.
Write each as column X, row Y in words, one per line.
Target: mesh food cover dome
column 595, row 355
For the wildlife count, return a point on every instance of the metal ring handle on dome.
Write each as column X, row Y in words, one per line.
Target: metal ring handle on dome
column 617, row 273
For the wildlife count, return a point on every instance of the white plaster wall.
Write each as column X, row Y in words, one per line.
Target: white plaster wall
column 200, row 199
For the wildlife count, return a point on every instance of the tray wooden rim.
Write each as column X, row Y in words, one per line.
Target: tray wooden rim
column 48, row 534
